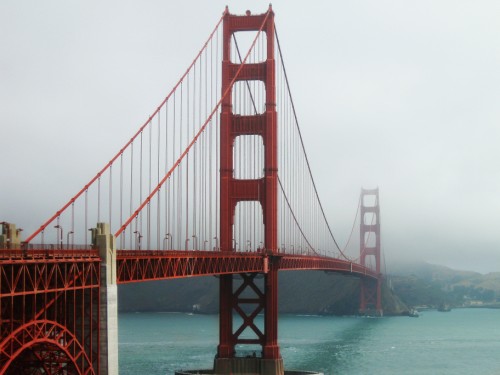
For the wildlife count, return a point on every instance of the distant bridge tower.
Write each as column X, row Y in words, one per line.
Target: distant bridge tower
column 371, row 290
column 234, row 301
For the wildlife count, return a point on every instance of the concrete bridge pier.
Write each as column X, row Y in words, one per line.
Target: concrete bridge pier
column 257, row 366
column 108, row 314
column 9, row 236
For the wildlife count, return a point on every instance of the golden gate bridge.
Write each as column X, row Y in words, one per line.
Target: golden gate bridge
column 215, row 182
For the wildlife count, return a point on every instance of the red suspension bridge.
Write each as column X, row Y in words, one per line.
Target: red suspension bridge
column 215, row 182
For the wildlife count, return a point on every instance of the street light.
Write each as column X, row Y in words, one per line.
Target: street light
column 195, row 242
column 67, row 238
column 205, row 245
column 165, row 241
column 187, row 241
column 138, row 239
column 170, row 238
column 58, row 227
column 216, row 243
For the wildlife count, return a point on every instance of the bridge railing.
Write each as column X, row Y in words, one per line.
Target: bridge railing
column 39, row 251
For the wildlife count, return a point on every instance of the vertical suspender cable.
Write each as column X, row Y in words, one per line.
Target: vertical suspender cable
column 122, row 237
column 149, row 189
column 110, row 195
column 131, row 190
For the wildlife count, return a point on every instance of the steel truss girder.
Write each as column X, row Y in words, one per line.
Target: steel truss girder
column 25, row 277
column 49, row 322
column 304, row 262
column 146, row 265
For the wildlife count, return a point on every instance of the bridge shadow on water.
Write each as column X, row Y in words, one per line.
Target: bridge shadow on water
column 166, row 343
column 335, row 346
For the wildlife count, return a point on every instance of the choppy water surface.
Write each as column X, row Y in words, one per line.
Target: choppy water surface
column 463, row 341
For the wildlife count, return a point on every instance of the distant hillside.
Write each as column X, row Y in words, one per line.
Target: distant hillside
column 428, row 284
column 313, row 292
column 305, row 292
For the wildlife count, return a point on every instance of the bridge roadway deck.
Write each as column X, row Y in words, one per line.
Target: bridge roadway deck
column 144, row 265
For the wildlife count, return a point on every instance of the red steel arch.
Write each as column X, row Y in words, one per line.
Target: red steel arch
column 45, row 332
column 49, row 305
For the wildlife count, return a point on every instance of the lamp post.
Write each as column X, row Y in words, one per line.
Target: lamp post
column 195, row 242
column 216, row 243
column 187, row 241
column 59, row 228
column 170, row 240
column 67, row 238
column 205, row 245
column 165, row 241
column 138, row 239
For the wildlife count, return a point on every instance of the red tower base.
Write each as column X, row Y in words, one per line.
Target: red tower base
column 260, row 366
column 371, row 297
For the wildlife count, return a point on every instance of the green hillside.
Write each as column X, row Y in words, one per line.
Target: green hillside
column 316, row 292
column 304, row 292
column 427, row 284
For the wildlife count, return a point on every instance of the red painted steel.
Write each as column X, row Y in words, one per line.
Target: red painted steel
column 133, row 266
column 146, row 265
column 49, row 313
column 262, row 190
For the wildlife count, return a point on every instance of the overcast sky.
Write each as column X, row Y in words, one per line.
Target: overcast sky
column 403, row 95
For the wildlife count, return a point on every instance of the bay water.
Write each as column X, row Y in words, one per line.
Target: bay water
column 463, row 341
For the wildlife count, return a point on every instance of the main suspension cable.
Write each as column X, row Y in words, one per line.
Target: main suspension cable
column 303, row 148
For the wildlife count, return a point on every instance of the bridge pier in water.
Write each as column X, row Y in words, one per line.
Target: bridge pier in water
column 235, row 300
column 369, row 231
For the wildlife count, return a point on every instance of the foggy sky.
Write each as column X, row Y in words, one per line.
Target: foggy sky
column 403, row 95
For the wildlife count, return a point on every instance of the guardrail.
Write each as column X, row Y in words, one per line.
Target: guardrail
column 39, row 251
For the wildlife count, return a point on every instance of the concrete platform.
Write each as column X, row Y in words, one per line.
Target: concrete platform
column 211, row 372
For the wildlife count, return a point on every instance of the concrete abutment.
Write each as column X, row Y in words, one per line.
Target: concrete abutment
column 108, row 314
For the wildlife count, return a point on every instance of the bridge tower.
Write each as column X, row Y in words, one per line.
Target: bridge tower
column 234, row 300
column 371, row 290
